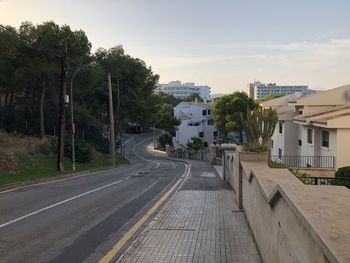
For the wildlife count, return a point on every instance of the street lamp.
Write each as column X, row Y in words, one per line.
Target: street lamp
column 91, row 64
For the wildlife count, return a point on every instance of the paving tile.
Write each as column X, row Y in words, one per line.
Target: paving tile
column 196, row 226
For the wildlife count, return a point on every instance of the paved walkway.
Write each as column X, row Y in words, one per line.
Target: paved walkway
column 200, row 223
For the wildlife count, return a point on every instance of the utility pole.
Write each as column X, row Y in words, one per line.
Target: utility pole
column 117, row 119
column 154, row 138
column 111, row 119
column 61, row 111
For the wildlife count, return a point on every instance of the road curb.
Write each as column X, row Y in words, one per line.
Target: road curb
column 120, row 245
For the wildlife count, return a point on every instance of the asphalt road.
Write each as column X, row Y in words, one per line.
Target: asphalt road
column 80, row 219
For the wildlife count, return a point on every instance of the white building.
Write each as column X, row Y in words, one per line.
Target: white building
column 196, row 121
column 258, row 90
column 181, row 90
column 283, row 141
column 313, row 131
column 324, row 121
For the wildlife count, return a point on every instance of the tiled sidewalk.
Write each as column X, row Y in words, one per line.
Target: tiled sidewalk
column 197, row 225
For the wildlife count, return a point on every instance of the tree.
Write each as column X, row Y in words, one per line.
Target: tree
column 31, row 74
column 193, row 97
column 269, row 97
column 30, row 81
column 133, row 86
column 161, row 98
column 166, row 120
column 227, row 110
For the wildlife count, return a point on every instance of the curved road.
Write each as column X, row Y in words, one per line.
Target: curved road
column 80, row 219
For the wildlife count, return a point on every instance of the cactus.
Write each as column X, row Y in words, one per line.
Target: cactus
column 269, row 120
column 259, row 124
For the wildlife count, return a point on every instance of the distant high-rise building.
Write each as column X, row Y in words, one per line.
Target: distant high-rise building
column 181, row 90
column 258, row 90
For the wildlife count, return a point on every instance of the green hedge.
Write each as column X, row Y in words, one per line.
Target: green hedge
column 342, row 172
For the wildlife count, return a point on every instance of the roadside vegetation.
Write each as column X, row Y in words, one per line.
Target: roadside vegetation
column 227, row 112
column 30, row 76
column 30, row 68
column 24, row 158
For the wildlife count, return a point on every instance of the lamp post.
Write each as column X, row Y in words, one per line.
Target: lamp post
column 91, row 64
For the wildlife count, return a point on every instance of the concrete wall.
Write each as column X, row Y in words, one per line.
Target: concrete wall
column 343, row 148
column 290, row 221
column 278, row 139
column 332, row 149
column 290, row 138
column 287, row 141
column 300, row 137
column 277, row 231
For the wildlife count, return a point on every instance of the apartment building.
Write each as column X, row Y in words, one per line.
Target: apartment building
column 196, row 121
column 182, row 90
column 283, row 141
column 313, row 131
column 324, row 121
column 258, row 90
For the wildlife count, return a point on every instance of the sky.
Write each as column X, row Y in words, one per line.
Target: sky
column 224, row 43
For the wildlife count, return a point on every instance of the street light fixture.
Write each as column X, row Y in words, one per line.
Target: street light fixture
column 91, row 64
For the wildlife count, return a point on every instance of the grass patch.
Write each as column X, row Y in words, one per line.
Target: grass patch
column 39, row 166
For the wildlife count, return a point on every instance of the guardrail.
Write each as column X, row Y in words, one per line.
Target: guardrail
column 304, row 161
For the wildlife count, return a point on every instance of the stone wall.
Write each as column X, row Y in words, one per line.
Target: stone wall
column 290, row 221
column 201, row 155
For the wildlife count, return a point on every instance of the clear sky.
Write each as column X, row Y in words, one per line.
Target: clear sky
column 223, row 43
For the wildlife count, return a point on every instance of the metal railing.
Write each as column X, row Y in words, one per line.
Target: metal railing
column 304, row 161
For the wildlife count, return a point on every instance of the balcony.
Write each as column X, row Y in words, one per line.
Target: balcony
column 325, row 162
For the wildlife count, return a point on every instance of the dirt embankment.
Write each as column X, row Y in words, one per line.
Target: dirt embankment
column 14, row 147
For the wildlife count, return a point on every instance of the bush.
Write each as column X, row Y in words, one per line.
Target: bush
column 342, row 172
column 83, row 150
column 303, row 177
column 255, row 147
column 163, row 140
column 196, row 144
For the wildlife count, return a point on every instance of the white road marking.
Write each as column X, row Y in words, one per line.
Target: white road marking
column 60, row 203
column 143, row 158
column 124, row 143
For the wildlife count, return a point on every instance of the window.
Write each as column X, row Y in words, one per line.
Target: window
column 210, row 122
column 280, row 128
column 201, row 134
column 280, row 153
column 325, row 139
column 300, row 143
column 215, row 133
column 204, row 112
column 309, row 136
column 205, row 144
column 209, row 112
column 271, row 143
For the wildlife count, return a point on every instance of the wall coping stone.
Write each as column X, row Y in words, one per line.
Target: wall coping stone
column 324, row 211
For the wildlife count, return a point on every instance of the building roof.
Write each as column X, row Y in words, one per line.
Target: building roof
column 200, row 104
column 332, row 117
column 282, row 101
column 332, row 97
